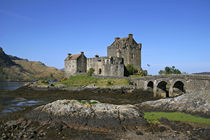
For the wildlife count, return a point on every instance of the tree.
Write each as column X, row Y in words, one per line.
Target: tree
column 170, row 70
column 90, row 72
column 131, row 69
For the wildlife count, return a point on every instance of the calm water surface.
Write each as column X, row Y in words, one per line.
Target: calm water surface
column 12, row 104
column 10, row 85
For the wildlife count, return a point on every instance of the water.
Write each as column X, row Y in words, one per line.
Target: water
column 17, row 105
column 12, row 104
column 10, row 85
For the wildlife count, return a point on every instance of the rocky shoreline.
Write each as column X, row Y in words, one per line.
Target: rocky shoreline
column 72, row 117
column 64, row 119
column 193, row 103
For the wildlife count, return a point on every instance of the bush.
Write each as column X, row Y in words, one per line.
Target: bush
column 131, row 69
column 63, row 79
column 109, row 83
column 90, row 72
column 170, row 70
column 142, row 72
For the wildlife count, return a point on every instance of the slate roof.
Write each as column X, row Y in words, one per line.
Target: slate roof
column 73, row 57
column 123, row 41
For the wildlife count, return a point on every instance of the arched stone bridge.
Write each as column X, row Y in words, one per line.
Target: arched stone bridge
column 168, row 84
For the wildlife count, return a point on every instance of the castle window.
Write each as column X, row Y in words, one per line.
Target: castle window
column 132, row 56
column 99, row 71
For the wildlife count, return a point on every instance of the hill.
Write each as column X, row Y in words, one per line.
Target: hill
column 13, row 68
column 203, row 73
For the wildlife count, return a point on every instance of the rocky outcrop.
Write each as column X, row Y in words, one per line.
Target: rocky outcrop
column 197, row 102
column 91, row 115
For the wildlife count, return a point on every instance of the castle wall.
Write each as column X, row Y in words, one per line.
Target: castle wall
column 75, row 66
column 82, row 64
column 70, row 68
column 106, row 66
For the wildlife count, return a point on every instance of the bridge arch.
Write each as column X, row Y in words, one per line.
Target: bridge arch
column 177, row 88
column 163, row 86
column 150, row 84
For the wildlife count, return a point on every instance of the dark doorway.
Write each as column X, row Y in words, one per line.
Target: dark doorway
column 99, row 71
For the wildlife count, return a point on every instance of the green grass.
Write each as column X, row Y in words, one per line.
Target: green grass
column 153, row 117
column 88, row 102
column 81, row 80
column 136, row 76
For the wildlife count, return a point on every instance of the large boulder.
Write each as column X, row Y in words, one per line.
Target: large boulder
column 197, row 102
column 90, row 114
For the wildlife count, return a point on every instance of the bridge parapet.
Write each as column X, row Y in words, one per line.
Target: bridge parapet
column 169, row 83
column 175, row 76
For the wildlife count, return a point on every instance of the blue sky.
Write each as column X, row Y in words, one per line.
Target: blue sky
column 173, row 32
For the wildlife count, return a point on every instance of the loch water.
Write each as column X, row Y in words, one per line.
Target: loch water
column 9, row 104
column 10, row 85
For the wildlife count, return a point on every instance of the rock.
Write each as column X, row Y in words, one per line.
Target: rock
column 197, row 102
column 164, row 120
column 60, row 86
column 90, row 114
column 139, row 132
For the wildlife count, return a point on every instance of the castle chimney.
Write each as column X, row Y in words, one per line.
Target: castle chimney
column 82, row 53
column 69, row 54
column 130, row 36
column 117, row 38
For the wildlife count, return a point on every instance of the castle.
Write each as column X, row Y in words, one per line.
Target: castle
column 121, row 52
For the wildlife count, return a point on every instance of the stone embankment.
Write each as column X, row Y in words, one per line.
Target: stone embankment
column 90, row 115
column 93, row 88
column 195, row 103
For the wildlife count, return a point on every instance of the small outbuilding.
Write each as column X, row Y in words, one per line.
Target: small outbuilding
column 75, row 64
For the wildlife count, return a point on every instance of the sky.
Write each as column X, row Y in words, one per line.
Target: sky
column 172, row 32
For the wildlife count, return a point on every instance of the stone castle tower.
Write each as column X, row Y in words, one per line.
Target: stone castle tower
column 122, row 52
column 126, row 48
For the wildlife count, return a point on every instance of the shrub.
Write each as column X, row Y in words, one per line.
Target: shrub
column 90, row 72
column 170, row 70
column 142, row 72
column 63, row 79
column 130, row 82
column 131, row 69
column 109, row 83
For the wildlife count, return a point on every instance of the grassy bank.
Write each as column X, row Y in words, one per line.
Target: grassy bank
column 81, row 80
column 153, row 117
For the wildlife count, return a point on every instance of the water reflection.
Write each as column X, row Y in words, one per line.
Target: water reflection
column 17, row 105
column 10, row 85
column 27, row 103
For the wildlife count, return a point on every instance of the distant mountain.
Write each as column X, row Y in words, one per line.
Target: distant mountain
column 5, row 60
column 13, row 68
column 203, row 73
